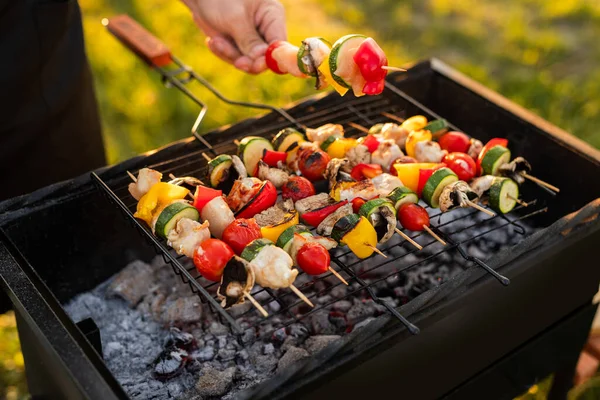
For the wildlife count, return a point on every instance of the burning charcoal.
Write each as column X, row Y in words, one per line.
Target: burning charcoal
column 238, row 310
column 205, row 354
column 317, row 343
column 183, row 310
column 132, row 283
column 215, row 383
column 175, row 389
column 111, row 349
column 222, row 342
column 242, row 356
column 218, row 329
column 324, row 299
column 269, row 349
column 359, row 312
column 298, row 331
column 226, row 354
column 339, row 291
column 181, row 340
column 249, row 336
column 342, row 306
column 320, row 324
column 339, row 321
column 169, row 363
column 279, row 335
column 292, row 355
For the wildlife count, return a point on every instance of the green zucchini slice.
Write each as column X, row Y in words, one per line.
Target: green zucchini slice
column 402, row 195
column 493, row 159
column 436, row 183
column 254, row 247
column 286, row 137
column 171, row 214
column 503, row 193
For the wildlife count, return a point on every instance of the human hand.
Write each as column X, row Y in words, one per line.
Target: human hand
column 239, row 31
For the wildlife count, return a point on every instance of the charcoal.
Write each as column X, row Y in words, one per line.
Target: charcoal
column 274, row 306
column 226, row 354
column 363, row 323
column 222, row 342
column 339, row 321
column 181, row 340
column 359, row 312
column 292, row 355
column 320, row 324
column 315, row 344
column 132, row 283
column 112, row 349
column 290, row 341
column 339, row 291
column 175, row 389
column 243, row 355
column 265, row 363
column 238, row 310
column 205, row 354
column 324, row 299
column 169, row 363
column 268, row 349
column 342, row 305
column 279, row 336
column 249, row 336
column 298, row 331
column 214, row 382
column 218, row 329
column 183, row 310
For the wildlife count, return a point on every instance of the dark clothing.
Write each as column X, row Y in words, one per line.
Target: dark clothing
column 49, row 125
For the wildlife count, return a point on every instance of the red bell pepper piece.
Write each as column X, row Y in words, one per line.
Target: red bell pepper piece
column 271, row 157
column 265, row 198
column 424, row 175
column 357, row 203
column 493, row 142
column 374, row 88
column 369, row 58
column 314, row 218
column 203, row 195
column 371, row 142
column 364, row 171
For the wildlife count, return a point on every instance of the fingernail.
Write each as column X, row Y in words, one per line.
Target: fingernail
column 244, row 65
column 217, row 45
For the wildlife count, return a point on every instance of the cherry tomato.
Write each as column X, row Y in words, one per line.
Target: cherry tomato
column 357, row 203
column 312, row 163
column 211, row 257
column 313, row 258
column 413, row 217
column 455, row 142
column 270, row 61
column 297, row 188
column 241, row 232
column 461, row 164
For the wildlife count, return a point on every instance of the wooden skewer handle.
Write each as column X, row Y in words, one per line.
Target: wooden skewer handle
column 256, row 304
column 478, row 207
column 408, row 239
column 540, row 182
column 359, row 127
column 435, row 236
column 341, row 278
column 301, row 295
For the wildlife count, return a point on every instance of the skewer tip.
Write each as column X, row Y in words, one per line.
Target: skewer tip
column 359, row 127
column 301, row 295
column 337, row 275
column 132, row 176
column 256, row 304
column 393, row 69
column 207, row 158
column 408, row 239
column 376, row 250
column 478, row 207
column 435, row 236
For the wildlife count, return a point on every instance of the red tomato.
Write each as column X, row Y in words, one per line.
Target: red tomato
column 270, row 61
column 241, row 232
column 413, row 217
column 461, row 164
column 211, row 257
column 455, row 142
column 265, row 198
column 312, row 163
column 357, row 203
column 297, row 188
column 313, row 258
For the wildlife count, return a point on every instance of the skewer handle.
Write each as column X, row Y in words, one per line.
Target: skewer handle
column 256, row 304
column 540, row 182
column 132, row 176
column 376, row 250
column 301, row 295
column 207, row 158
column 359, row 127
column 393, row 69
column 519, row 201
column 408, row 239
column 341, row 278
column 392, row 116
column 478, row 207
column 435, row 236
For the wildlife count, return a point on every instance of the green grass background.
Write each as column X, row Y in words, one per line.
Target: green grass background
column 541, row 54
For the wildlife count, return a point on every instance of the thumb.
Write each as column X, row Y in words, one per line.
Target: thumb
column 248, row 40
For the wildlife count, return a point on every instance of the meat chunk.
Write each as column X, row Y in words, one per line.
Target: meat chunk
column 145, row 180
column 364, row 189
column 313, row 202
column 320, row 134
column 359, row 154
column 394, row 132
column 335, row 171
column 386, row 153
column 273, row 268
column 278, row 214
column 326, row 226
column 457, row 194
column 218, row 214
column 475, row 148
column 482, row 184
column 276, row 176
column 385, row 183
column 242, row 192
column 429, row 152
column 187, row 236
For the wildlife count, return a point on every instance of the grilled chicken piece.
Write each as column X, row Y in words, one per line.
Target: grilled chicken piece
column 482, row 184
column 313, row 202
column 515, row 168
column 273, row 268
column 218, row 214
column 475, row 148
column 429, row 152
column 277, row 176
column 320, row 134
column 456, row 195
column 242, row 192
column 394, row 132
column 359, row 154
column 278, row 214
column 326, row 226
column 334, row 172
column 187, row 236
column 386, row 153
column 145, row 180
column 238, row 277
column 385, row 183
column 365, row 189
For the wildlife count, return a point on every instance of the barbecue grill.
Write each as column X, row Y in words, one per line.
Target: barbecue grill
column 476, row 330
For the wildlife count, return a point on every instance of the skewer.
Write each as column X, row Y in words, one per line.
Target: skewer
column 190, row 195
column 301, row 295
column 207, row 158
column 478, row 207
column 256, row 304
column 392, row 116
column 519, row 201
column 435, row 236
column 236, row 142
column 359, row 127
column 393, row 68
column 341, row 278
column 376, row 250
column 132, row 176
column 540, row 182
column 408, row 239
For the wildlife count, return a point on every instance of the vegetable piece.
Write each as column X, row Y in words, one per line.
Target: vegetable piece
column 413, row 217
column 492, row 143
column 437, row 126
column 240, row 233
column 280, row 57
column 285, row 239
column 337, row 147
column 218, row 169
column 436, row 183
column 455, row 142
column 357, row 203
column 286, row 137
column 211, row 257
column 251, row 150
column 311, row 54
column 264, row 198
column 370, row 59
column 273, row 158
column 493, row 159
column 357, row 233
column 297, row 188
column 313, row 258
column 503, row 195
column 203, row 195
column 382, row 215
column 415, row 137
column 238, row 277
column 146, row 178
column 218, row 214
column 371, row 142
column 315, row 217
column 462, row 164
column 325, row 70
column 270, row 61
column 343, row 69
column 159, row 195
column 402, row 195
column 171, row 214
column 424, row 175
column 415, row 123
column 252, row 249
column 272, row 232
column 313, row 163
column 366, row 171
column 409, row 173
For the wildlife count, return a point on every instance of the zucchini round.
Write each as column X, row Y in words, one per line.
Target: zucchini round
column 251, row 150
column 502, row 194
column 285, row 239
column 254, row 247
column 338, row 55
column 171, row 214
column 493, row 159
column 435, row 184
column 218, row 169
column 343, row 226
column 286, row 137
column 402, row 195
column 305, row 57
column 372, row 206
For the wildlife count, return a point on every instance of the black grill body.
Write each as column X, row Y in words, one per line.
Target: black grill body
column 475, row 333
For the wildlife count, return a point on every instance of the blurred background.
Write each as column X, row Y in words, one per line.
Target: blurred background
column 542, row 54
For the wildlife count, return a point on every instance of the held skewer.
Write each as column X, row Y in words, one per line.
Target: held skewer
column 478, row 207
column 256, row 304
column 540, row 182
column 359, row 127
column 393, row 69
column 376, row 250
column 408, row 239
column 392, row 116
column 337, row 275
column 301, row 295
column 435, row 236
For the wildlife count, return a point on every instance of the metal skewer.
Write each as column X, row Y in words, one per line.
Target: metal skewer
column 256, row 304
column 301, row 295
column 408, row 239
column 337, row 275
column 540, row 182
column 435, row 236
column 478, row 207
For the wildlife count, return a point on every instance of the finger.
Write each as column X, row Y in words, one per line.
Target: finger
column 223, row 49
column 259, row 65
column 248, row 40
column 243, row 63
column 271, row 22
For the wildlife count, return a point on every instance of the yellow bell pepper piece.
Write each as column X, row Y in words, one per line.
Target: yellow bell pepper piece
column 361, row 238
column 324, row 69
column 340, row 146
column 415, row 123
column 272, row 232
column 159, row 196
column 349, row 143
column 409, row 173
column 336, row 190
column 413, row 138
